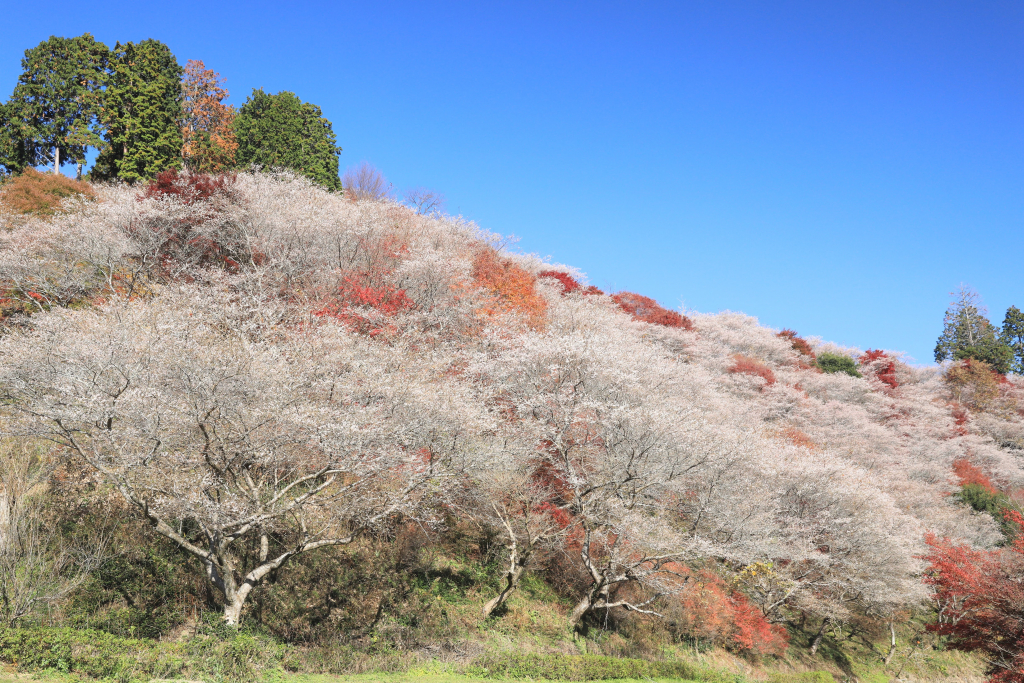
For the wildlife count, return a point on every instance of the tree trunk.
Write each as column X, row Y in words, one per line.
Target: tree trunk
column 56, row 160
column 892, row 646
column 817, row 638
column 78, row 174
column 581, row 608
column 512, row 577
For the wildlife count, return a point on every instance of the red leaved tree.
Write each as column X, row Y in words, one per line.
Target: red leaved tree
column 980, row 600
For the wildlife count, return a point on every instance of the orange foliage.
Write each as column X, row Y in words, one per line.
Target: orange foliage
column 209, row 138
column 512, row 287
column 41, row 193
column 798, row 438
column 646, row 309
column 744, row 365
column 968, row 473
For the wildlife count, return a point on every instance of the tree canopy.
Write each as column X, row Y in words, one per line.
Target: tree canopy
column 967, row 333
column 142, row 110
column 53, row 112
column 282, row 131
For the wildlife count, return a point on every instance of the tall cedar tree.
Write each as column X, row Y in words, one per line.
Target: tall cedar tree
column 141, row 112
column 207, row 127
column 1013, row 337
column 967, row 333
column 52, row 115
column 13, row 147
column 282, row 131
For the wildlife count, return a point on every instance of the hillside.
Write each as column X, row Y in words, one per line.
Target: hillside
column 271, row 402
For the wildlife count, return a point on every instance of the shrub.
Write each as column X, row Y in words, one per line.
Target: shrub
column 799, row 344
column 512, row 287
column 712, row 612
column 973, row 384
column 881, row 365
column 646, row 309
column 969, row 474
column 189, row 187
column 38, row 193
column 744, row 365
column 836, row 362
column 569, row 283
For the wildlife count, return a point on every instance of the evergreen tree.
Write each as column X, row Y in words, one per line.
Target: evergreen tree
column 967, row 333
column 142, row 112
column 1013, row 337
column 13, row 153
column 51, row 117
column 282, row 131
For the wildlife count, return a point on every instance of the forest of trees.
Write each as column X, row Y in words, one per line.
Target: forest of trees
column 144, row 114
column 335, row 418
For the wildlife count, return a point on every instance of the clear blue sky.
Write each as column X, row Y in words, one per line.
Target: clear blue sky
column 837, row 168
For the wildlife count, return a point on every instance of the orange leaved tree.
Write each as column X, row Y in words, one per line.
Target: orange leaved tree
column 209, row 139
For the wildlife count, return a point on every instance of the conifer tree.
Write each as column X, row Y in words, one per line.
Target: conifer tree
column 51, row 117
column 1013, row 337
column 142, row 112
column 282, row 131
column 967, row 333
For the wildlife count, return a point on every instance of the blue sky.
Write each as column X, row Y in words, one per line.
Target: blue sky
column 837, row 168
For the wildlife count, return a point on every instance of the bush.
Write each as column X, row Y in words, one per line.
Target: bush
column 881, row 365
column 227, row 656
column 38, row 193
column 568, row 282
column 835, row 362
column 512, row 287
column 799, row 344
column 646, row 309
column 744, row 365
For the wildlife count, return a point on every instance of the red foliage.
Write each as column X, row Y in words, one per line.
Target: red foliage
column 710, row 611
column 798, row 343
column 646, row 309
column 190, row 188
column 385, row 301
column 968, row 473
column 980, row 599
column 885, row 372
column 744, row 365
column 569, row 283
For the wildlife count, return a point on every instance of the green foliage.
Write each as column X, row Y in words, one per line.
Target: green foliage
column 53, row 112
column 835, row 362
column 13, row 147
column 1013, row 337
column 983, row 500
column 584, row 668
column 239, row 657
column 968, row 334
column 142, row 109
column 282, row 131
column 803, row 677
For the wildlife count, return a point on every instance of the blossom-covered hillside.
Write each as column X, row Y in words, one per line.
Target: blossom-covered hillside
column 254, row 362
